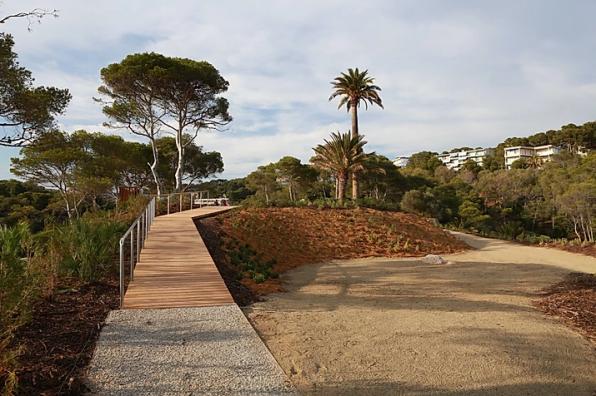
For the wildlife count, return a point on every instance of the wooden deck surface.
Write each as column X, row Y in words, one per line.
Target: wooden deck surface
column 176, row 269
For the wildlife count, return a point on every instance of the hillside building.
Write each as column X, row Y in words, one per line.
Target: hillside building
column 401, row 162
column 515, row 153
column 456, row 159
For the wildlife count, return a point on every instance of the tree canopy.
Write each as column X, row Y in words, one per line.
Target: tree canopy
column 150, row 94
column 26, row 111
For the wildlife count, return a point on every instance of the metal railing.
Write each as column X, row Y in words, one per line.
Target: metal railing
column 139, row 230
column 178, row 202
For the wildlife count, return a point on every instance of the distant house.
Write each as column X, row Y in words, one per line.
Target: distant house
column 456, row 159
column 544, row 152
column 401, row 162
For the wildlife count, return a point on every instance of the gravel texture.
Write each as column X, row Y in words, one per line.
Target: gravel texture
column 188, row 351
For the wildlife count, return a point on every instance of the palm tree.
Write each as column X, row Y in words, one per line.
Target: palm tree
column 355, row 87
column 342, row 155
column 534, row 162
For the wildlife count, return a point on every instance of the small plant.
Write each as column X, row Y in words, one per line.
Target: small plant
column 249, row 263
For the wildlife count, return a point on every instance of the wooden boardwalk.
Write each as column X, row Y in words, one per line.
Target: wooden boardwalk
column 176, row 269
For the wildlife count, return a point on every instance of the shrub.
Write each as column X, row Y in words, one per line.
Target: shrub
column 372, row 203
column 84, row 248
column 509, row 229
column 249, row 263
column 17, row 290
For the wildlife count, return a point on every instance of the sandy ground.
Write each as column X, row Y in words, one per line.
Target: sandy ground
column 386, row 326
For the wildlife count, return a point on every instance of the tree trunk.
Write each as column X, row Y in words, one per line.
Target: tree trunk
column 180, row 148
column 355, row 181
column 341, row 190
column 153, row 166
column 68, row 210
column 575, row 228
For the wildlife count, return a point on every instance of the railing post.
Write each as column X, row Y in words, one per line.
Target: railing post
column 180, row 202
column 191, row 200
column 168, row 203
column 132, row 255
column 143, row 225
column 138, row 240
column 121, row 273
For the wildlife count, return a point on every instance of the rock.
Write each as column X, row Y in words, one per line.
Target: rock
column 434, row 259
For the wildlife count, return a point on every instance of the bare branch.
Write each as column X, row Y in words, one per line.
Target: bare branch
column 35, row 15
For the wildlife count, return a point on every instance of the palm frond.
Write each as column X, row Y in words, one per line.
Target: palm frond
column 355, row 86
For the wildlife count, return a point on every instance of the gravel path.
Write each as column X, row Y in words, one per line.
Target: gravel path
column 189, row 351
column 403, row 327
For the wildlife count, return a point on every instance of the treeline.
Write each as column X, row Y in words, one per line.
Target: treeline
column 555, row 201
column 86, row 170
column 570, row 137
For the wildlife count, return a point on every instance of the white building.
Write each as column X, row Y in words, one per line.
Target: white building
column 456, row 159
column 544, row 152
column 401, row 162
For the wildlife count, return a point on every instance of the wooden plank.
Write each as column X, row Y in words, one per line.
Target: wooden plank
column 175, row 268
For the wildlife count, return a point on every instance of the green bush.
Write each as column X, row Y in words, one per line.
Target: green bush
column 17, row 291
column 84, row 248
column 509, row 229
column 249, row 263
column 373, row 203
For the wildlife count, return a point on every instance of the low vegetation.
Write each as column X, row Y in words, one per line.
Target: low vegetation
column 259, row 244
column 55, row 282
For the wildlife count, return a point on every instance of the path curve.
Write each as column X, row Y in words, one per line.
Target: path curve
column 387, row 326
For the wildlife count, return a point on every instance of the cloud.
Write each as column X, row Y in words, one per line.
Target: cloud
column 459, row 73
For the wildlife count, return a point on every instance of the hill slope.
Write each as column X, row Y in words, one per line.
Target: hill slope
column 255, row 245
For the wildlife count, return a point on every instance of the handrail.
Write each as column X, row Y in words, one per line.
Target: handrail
column 142, row 224
column 196, row 198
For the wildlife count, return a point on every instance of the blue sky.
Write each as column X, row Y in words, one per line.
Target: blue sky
column 453, row 73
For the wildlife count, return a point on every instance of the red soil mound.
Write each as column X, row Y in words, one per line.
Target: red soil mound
column 290, row 237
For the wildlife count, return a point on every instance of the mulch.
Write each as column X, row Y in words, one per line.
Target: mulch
column 58, row 342
column 292, row 237
column 588, row 250
column 573, row 300
column 212, row 234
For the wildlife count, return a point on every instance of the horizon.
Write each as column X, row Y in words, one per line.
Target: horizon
column 462, row 74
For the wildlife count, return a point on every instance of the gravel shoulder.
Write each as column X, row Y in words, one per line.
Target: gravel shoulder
column 399, row 326
column 189, row 351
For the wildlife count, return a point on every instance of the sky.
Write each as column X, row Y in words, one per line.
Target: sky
column 453, row 73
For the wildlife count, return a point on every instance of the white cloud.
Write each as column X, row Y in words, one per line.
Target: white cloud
column 453, row 74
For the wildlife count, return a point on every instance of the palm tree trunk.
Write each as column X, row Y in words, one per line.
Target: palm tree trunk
column 354, row 109
column 336, row 188
column 341, row 188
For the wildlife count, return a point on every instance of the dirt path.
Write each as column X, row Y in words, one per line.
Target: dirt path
column 385, row 326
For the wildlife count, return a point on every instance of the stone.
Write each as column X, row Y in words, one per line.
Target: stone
column 434, row 259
